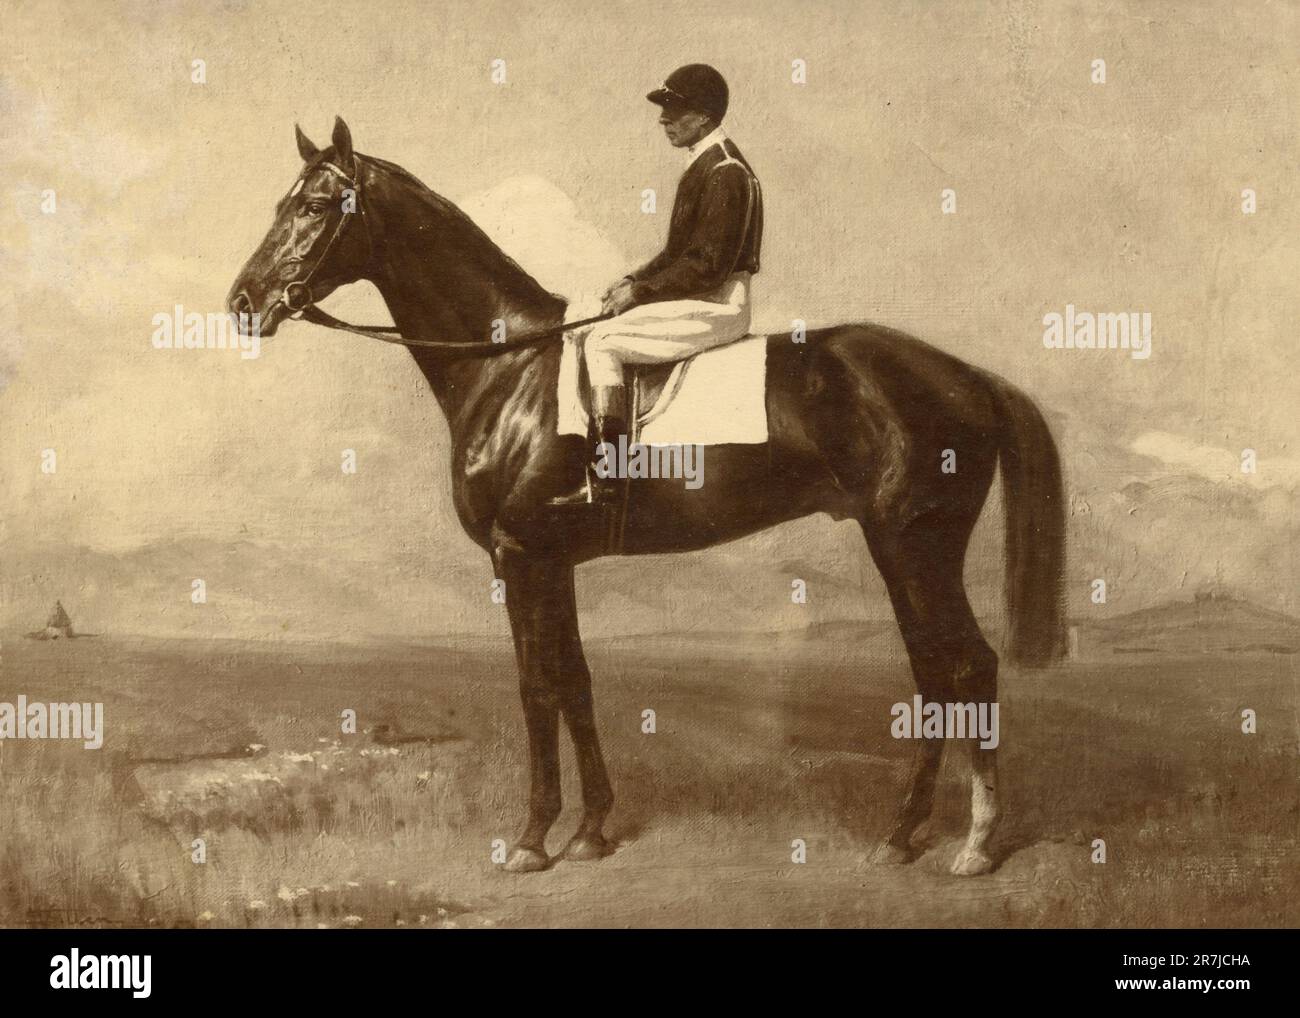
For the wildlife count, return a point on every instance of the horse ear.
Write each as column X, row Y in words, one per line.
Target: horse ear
column 306, row 149
column 342, row 141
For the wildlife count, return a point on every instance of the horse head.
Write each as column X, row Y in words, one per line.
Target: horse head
column 317, row 243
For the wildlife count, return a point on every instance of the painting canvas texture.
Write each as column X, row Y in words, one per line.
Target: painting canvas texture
column 960, row 591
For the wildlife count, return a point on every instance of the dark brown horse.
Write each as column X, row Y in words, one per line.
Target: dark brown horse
column 861, row 420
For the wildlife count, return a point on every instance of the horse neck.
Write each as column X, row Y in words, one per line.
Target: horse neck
column 445, row 281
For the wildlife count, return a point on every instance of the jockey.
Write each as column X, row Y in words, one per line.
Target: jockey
column 694, row 294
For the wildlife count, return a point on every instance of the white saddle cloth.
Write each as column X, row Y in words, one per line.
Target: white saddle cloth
column 718, row 397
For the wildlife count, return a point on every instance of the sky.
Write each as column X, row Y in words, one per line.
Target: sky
column 1114, row 197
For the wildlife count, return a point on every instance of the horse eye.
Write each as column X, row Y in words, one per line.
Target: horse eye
column 314, row 208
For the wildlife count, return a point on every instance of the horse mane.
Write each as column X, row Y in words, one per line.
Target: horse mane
column 477, row 243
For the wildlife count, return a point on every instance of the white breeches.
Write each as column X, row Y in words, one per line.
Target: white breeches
column 670, row 330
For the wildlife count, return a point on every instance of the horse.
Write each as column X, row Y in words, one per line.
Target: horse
column 865, row 424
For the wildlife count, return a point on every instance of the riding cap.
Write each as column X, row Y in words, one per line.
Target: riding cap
column 696, row 86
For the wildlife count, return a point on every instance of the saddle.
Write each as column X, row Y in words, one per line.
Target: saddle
column 715, row 397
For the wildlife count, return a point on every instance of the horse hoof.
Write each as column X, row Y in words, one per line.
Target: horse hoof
column 586, row 849
column 971, row 863
column 526, row 860
column 891, row 855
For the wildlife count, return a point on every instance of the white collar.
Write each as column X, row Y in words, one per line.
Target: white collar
column 714, row 137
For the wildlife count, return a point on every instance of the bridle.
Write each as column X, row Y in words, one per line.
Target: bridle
column 298, row 300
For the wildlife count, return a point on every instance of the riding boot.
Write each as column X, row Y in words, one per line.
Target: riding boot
column 607, row 423
column 607, row 490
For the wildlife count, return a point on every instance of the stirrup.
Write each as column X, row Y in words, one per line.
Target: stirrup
column 595, row 491
column 582, row 495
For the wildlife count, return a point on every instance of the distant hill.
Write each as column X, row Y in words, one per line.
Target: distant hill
column 1211, row 623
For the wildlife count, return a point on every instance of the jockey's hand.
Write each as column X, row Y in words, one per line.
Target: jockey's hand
column 619, row 298
column 614, row 286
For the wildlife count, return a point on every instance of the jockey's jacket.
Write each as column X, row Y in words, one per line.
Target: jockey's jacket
column 716, row 229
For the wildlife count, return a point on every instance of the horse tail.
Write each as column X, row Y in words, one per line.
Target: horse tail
column 1035, row 536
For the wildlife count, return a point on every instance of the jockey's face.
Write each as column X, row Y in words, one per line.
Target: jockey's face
column 683, row 126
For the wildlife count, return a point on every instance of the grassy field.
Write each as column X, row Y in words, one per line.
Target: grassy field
column 760, row 740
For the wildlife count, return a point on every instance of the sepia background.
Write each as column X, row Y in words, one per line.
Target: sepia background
column 179, row 464
column 329, row 591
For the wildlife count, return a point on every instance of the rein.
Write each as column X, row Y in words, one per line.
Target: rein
column 391, row 334
column 297, row 297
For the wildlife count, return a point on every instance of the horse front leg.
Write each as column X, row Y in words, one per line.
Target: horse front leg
column 573, row 682
column 528, row 585
column 553, row 679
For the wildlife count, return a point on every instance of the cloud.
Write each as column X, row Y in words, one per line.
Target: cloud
column 1214, row 463
column 540, row 227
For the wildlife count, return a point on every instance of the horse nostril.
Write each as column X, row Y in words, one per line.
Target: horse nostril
column 241, row 305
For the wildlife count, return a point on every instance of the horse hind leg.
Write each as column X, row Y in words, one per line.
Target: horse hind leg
column 927, row 755
column 916, row 806
column 977, row 682
column 951, row 663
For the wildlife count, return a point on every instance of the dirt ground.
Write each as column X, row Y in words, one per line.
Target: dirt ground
column 760, row 740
